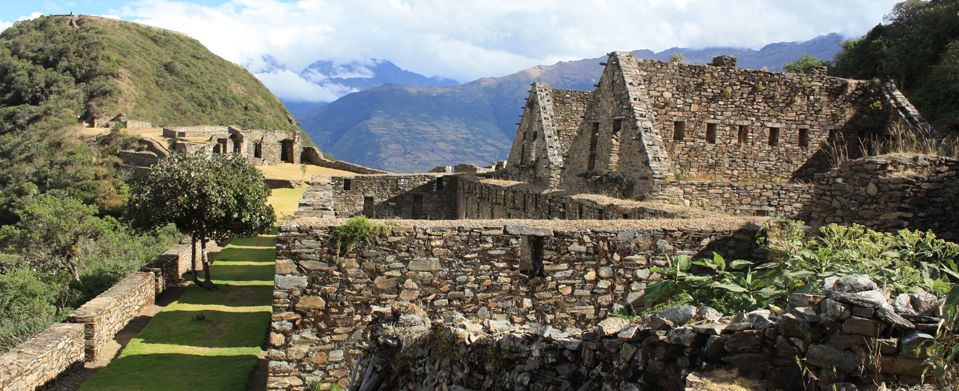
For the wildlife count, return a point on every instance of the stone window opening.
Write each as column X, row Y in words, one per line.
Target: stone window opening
column 804, row 137
column 286, row 151
column 258, row 150
column 711, row 133
column 580, row 216
column 773, row 136
column 679, row 130
column 742, row 135
column 347, row 184
column 531, row 256
column 593, row 136
column 617, row 125
column 440, row 184
column 368, row 206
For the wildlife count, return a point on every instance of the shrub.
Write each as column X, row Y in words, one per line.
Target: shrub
column 904, row 261
column 355, row 231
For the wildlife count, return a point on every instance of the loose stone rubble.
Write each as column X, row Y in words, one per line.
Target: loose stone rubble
column 846, row 337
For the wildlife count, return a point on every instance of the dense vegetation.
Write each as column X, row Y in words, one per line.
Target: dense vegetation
column 64, row 237
column 918, row 47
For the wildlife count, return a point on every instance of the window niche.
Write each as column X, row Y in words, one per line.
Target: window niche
column 742, row 134
column 773, row 136
column 804, row 137
column 711, row 133
column 679, row 130
column 531, row 255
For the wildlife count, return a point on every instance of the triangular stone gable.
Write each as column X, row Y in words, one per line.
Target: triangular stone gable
column 617, row 148
column 536, row 156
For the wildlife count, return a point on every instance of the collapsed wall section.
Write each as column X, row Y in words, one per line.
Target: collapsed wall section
column 560, row 273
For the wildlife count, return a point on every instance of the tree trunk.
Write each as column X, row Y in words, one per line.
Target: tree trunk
column 193, row 259
column 207, row 280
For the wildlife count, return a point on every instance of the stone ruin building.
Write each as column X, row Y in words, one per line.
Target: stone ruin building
column 261, row 147
column 493, row 280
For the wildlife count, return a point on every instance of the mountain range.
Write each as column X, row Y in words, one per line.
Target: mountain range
column 404, row 122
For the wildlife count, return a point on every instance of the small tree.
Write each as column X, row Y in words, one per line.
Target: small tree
column 207, row 197
column 804, row 64
column 677, row 57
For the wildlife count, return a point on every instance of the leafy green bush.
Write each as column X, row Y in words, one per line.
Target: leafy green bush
column 804, row 64
column 355, row 231
column 26, row 306
column 903, row 262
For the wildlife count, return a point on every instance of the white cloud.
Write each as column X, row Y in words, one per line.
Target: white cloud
column 465, row 40
column 289, row 85
column 4, row 25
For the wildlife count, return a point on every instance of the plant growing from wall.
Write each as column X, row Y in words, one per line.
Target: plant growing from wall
column 355, row 231
column 903, row 262
column 208, row 197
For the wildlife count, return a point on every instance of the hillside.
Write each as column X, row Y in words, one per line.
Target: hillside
column 102, row 67
column 56, row 71
column 414, row 129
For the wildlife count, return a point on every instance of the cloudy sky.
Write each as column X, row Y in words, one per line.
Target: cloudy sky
column 462, row 39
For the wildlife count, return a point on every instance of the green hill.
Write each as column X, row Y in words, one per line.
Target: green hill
column 59, row 71
column 95, row 68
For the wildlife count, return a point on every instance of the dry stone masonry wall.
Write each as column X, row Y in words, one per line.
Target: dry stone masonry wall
column 411, row 196
column 40, row 359
column 529, row 273
column 890, row 193
column 847, row 337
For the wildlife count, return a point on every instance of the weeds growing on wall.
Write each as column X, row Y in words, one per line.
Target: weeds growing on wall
column 903, row 262
column 355, row 231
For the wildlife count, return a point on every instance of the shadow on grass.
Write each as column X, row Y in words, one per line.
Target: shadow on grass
column 174, row 372
column 222, row 270
column 218, row 329
column 231, row 295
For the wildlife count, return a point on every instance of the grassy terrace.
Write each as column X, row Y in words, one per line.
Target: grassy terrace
column 176, row 352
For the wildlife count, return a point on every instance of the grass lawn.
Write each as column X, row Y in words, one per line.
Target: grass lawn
column 285, row 201
column 294, row 172
column 176, row 352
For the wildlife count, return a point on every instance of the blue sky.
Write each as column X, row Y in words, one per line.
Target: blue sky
column 464, row 39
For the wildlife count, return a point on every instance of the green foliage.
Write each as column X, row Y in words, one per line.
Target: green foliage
column 329, row 156
column 25, row 306
column 943, row 354
column 321, row 386
column 207, row 197
column 804, row 64
column 355, row 231
column 918, row 47
column 68, row 253
column 107, row 66
column 902, row 262
column 677, row 57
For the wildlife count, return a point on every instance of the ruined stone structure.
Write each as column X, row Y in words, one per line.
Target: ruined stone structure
column 259, row 146
column 651, row 126
column 845, row 336
column 489, row 278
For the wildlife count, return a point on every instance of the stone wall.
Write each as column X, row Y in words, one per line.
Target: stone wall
column 171, row 267
column 891, row 192
column 560, row 273
column 312, row 156
column 548, row 125
column 91, row 327
column 106, row 314
column 846, row 338
column 750, row 199
column 497, row 199
column 40, row 359
column 408, row 196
